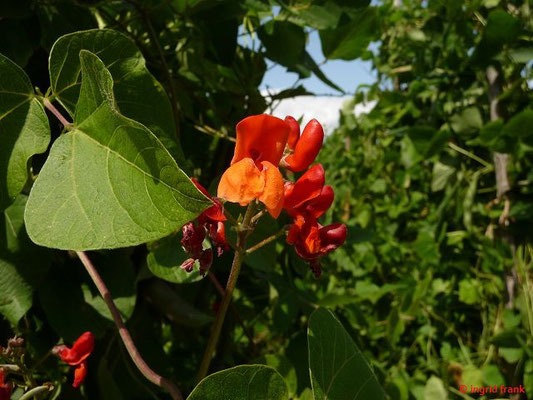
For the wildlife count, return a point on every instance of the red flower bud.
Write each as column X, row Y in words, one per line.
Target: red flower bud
column 294, row 132
column 206, row 259
column 307, row 148
column 193, row 237
column 188, row 265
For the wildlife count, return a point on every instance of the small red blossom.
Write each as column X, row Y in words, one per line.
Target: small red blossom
column 5, row 388
column 77, row 355
column 306, row 147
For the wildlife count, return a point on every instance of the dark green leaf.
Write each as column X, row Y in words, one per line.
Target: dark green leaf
column 351, row 38
column 284, row 41
column 138, row 95
column 24, row 129
column 338, row 368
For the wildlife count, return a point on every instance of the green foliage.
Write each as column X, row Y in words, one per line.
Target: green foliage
column 24, row 129
column 338, row 369
column 136, row 191
column 422, row 285
column 245, row 382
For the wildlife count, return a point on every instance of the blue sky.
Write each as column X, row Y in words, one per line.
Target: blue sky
column 346, row 74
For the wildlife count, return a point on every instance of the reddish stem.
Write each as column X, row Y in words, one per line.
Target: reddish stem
column 125, row 334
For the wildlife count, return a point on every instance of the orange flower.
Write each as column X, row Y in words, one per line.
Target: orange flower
column 254, row 172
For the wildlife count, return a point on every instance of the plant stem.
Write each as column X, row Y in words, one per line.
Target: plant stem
column 56, row 113
column 36, row 391
column 125, row 334
column 244, row 230
column 266, row 241
column 12, row 368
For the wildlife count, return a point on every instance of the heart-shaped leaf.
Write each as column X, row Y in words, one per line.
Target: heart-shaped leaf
column 24, row 129
column 138, row 94
column 245, row 382
column 338, row 369
column 109, row 182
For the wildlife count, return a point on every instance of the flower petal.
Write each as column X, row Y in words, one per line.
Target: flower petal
column 332, row 237
column 307, row 148
column 79, row 374
column 306, row 188
column 320, row 204
column 294, row 133
column 241, row 183
column 261, row 138
column 272, row 196
column 81, row 349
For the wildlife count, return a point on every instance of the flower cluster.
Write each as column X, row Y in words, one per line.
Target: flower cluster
column 263, row 144
column 211, row 224
column 77, row 356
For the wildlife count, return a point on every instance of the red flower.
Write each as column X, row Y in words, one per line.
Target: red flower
column 306, row 201
column 312, row 240
column 306, row 147
column 5, row 388
column 77, row 355
column 254, row 172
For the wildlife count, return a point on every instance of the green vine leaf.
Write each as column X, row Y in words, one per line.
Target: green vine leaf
column 138, row 94
column 22, row 264
column 109, row 182
column 24, row 129
column 338, row 369
column 245, row 382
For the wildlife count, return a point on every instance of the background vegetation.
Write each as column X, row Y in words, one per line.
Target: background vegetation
column 435, row 185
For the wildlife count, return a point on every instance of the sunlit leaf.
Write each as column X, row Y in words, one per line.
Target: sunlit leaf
column 108, row 182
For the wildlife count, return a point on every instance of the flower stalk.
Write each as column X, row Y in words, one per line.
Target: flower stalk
column 244, row 229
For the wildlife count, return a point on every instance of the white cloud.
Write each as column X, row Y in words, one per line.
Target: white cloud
column 323, row 108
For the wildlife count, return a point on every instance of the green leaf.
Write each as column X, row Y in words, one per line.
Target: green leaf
column 245, row 382
column 492, row 375
column 501, row 28
column 284, row 41
column 468, row 121
column 165, row 258
column 519, row 126
column 435, row 390
column 338, row 368
column 284, row 366
column 469, row 291
column 22, row 264
column 24, row 129
column 138, row 94
column 441, row 175
column 109, row 182
column 349, row 40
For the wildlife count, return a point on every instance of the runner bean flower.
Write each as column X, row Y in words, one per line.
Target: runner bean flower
column 77, row 356
column 306, row 201
column 254, row 173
